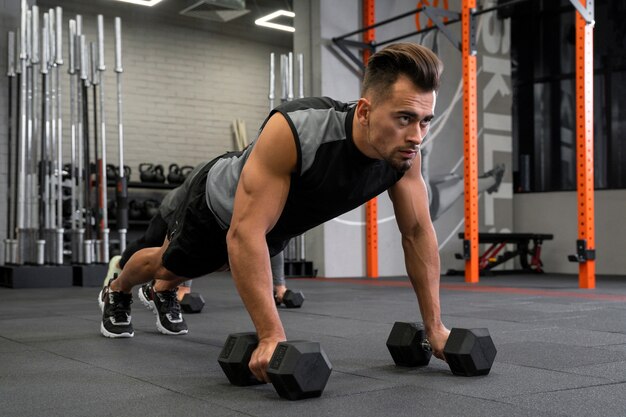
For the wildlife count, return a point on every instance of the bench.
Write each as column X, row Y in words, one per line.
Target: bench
column 527, row 249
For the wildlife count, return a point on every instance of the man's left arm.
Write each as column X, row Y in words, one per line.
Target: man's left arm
column 421, row 252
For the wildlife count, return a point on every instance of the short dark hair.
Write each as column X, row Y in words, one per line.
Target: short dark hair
column 414, row 61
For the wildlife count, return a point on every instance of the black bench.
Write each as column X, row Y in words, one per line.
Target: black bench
column 527, row 249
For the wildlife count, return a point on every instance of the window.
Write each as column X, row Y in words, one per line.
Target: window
column 544, row 117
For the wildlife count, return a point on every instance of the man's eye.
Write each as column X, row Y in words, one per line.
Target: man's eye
column 425, row 123
column 404, row 120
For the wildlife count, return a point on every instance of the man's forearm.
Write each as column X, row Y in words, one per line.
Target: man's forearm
column 250, row 266
column 422, row 263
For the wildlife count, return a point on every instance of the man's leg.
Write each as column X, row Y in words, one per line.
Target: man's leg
column 152, row 237
column 277, row 263
column 184, row 288
column 115, row 298
column 144, row 266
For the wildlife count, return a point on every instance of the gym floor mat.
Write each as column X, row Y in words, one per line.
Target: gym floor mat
column 561, row 352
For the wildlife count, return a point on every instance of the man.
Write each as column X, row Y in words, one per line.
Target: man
column 313, row 160
column 165, row 304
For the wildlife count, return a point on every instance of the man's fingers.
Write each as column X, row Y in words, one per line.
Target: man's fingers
column 260, row 360
column 260, row 373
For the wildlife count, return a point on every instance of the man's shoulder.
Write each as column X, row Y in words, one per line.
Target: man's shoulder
column 314, row 103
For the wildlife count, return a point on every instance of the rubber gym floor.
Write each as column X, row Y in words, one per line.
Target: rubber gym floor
column 561, row 352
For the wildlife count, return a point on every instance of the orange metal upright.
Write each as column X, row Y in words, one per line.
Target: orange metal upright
column 470, row 140
column 584, row 145
column 371, row 207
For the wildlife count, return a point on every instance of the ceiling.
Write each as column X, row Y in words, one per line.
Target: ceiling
column 169, row 11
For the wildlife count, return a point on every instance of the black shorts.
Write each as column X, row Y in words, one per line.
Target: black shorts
column 153, row 237
column 197, row 242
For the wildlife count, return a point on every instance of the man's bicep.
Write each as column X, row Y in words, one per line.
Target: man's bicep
column 264, row 183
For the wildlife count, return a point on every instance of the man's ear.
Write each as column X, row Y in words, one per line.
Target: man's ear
column 363, row 108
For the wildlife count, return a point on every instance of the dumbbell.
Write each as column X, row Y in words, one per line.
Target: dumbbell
column 192, row 302
column 291, row 299
column 469, row 352
column 297, row 370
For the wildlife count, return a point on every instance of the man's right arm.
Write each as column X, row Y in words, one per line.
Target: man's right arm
column 259, row 200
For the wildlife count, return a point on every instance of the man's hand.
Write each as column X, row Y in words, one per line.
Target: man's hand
column 437, row 338
column 279, row 292
column 260, row 360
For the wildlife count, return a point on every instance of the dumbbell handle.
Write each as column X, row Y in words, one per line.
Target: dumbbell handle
column 426, row 345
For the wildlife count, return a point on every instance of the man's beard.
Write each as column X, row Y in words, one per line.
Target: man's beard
column 403, row 165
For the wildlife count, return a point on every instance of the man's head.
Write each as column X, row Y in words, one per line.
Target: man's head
column 419, row 64
column 398, row 102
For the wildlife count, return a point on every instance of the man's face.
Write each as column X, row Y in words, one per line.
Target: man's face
column 398, row 124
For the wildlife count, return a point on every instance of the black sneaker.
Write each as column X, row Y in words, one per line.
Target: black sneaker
column 115, row 308
column 166, row 307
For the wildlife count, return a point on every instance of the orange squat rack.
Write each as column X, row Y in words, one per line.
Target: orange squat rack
column 585, row 245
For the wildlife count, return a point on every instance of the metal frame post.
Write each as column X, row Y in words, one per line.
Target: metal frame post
column 371, row 207
column 584, row 143
column 470, row 142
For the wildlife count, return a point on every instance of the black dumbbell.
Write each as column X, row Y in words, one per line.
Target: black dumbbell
column 297, row 370
column 291, row 299
column 192, row 302
column 469, row 352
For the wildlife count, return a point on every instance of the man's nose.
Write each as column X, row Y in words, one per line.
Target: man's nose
column 415, row 136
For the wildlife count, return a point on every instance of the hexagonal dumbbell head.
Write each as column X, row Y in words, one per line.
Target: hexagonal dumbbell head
column 293, row 299
column 405, row 344
column 299, row 369
column 470, row 352
column 192, row 302
column 235, row 357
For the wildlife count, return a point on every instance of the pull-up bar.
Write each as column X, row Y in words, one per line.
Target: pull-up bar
column 584, row 131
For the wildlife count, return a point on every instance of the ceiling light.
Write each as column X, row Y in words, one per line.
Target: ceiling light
column 265, row 20
column 148, row 3
column 216, row 10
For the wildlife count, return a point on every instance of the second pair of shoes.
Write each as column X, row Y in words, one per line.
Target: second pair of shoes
column 116, row 317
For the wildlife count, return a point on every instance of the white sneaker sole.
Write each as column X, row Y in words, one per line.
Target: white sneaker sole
column 150, row 306
column 147, row 303
column 107, row 333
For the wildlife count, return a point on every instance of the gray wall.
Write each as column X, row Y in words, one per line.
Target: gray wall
column 556, row 213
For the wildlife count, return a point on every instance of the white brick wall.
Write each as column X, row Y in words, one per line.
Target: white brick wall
column 181, row 90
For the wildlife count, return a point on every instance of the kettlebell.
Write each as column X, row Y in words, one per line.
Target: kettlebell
column 151, row 208
column 174, row 176
column 127, row 172
column 146, row 172
column 134, row 210
column 159, row 177
column 185, row 171
column 111, row 174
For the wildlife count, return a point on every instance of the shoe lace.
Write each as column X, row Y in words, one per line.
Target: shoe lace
column 121, row 306
column 170, row 303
